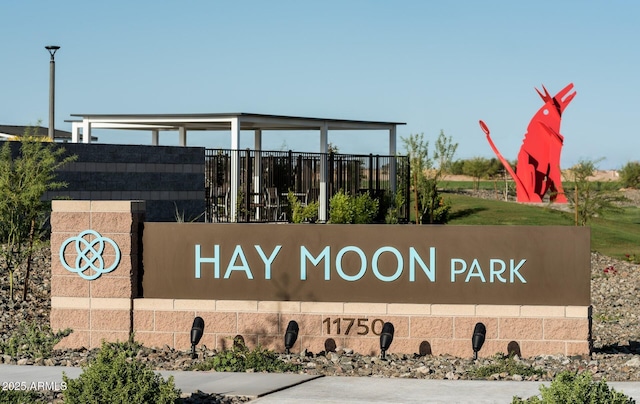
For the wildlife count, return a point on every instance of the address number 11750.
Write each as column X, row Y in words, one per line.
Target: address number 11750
column 353, row 326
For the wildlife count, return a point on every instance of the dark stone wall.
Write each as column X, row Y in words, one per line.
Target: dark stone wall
column 169, row 178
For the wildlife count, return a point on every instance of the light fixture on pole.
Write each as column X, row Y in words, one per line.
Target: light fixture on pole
column 52, row 88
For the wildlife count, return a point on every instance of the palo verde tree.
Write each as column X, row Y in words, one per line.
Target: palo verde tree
column 426, row 172
column 589, row 200
column 23, row 181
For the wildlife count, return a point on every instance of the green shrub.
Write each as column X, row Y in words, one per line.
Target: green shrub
column 33, row 341
column 19, row 397
column 365, row 208
column 347, row 209
column 240, row 359
column 393, row 208
column 505, row 364
column 179, row 216
column 630, row 175
column 130, row 348
column 114, row 377
column 340, row 209
column 433, row 207
column 302, row 214
column 569, row 387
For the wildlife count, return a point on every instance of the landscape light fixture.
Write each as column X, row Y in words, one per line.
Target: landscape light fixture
column 479, row 333
column 197, row 329
column 291, row 335
column 238, row 342
column 330, row 345
column 386, row 337
column 52, row 88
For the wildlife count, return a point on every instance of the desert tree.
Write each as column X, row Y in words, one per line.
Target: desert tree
column 427, row 169
column 588, row 199
column 477, row 168
column 24, row 179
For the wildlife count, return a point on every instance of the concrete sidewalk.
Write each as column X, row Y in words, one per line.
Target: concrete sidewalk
column 378, row 390
column 292, row 388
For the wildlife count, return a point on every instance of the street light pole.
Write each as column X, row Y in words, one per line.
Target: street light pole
column 52, row 88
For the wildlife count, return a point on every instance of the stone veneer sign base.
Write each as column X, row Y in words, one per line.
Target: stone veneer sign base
column 110, row 307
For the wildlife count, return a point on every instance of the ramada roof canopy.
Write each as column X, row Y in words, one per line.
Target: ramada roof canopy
column 233, row 122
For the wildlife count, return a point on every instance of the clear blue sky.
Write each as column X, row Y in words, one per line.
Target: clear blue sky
column 436, row 65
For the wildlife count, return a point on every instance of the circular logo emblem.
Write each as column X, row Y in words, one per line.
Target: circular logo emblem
column 90, row 255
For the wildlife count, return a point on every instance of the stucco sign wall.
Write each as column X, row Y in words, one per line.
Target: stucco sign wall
column 521, row 265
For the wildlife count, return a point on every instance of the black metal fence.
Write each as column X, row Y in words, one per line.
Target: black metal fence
column 299, row 172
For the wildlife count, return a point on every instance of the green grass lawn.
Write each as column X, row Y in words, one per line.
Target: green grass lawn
column 614, row 235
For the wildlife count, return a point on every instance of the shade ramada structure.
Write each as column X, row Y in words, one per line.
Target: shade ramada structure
column 234, row 124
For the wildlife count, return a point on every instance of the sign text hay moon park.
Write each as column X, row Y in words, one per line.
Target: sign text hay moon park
column 547, row 265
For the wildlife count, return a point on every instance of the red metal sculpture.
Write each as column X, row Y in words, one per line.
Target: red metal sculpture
column 538, row 169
